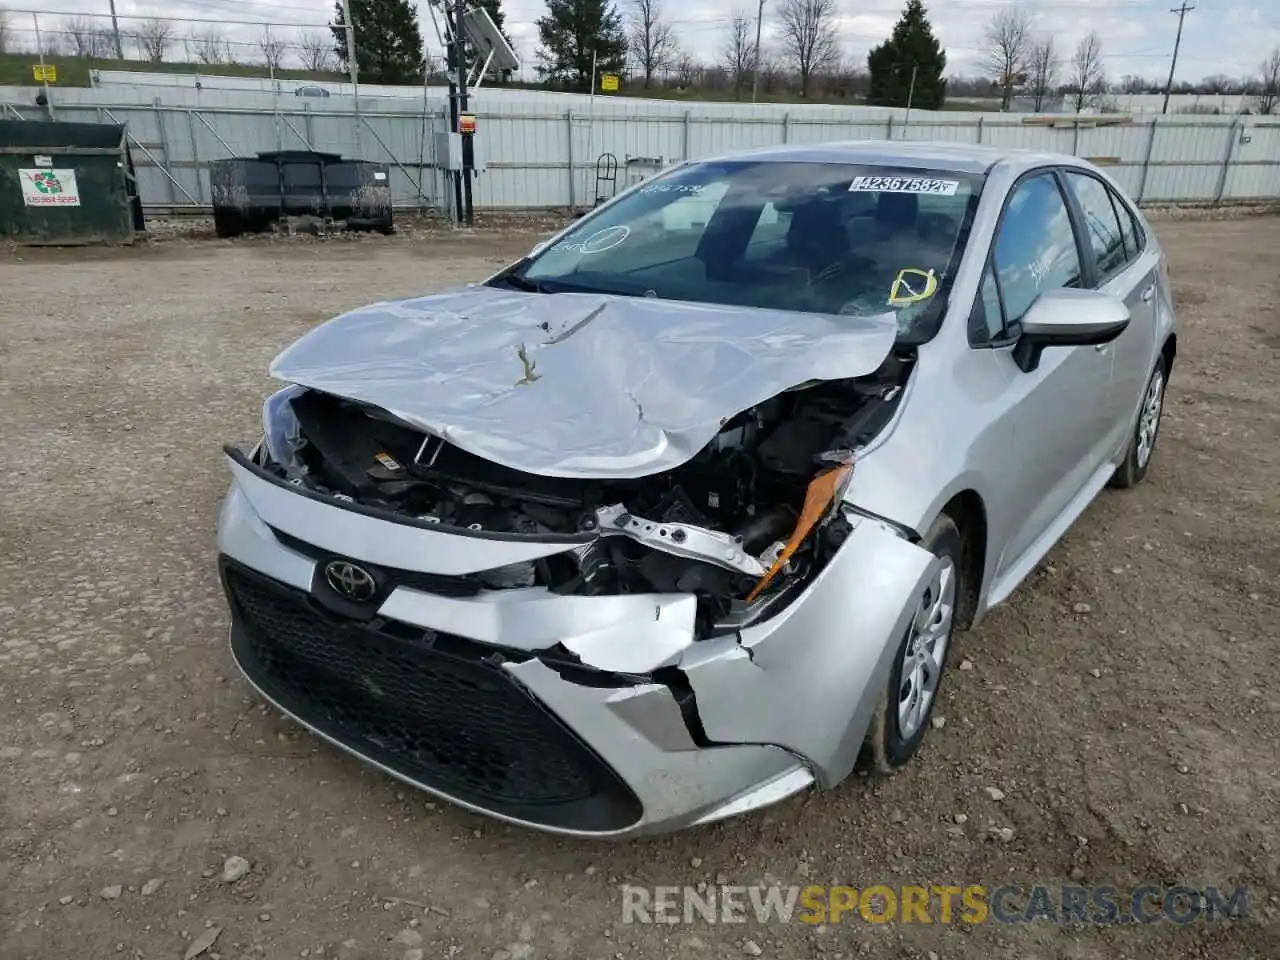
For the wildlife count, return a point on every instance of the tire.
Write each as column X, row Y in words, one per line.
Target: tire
column 1146, row 429
column 226, row 225
column 896, row 734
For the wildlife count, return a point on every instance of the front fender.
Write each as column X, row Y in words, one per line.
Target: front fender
column 809, row 679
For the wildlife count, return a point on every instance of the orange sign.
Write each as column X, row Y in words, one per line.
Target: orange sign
column 467, row 123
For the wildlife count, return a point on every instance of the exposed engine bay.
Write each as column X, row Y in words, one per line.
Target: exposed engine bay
column 752, row 514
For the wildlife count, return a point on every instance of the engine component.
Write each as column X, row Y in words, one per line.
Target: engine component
column 825, row 490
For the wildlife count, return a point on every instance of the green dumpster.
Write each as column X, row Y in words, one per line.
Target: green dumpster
column 65, row 183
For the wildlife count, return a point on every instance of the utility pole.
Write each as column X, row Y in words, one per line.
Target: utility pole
column 115, row 31
column 1181, row 11
column 353, row 68
column 755, row 72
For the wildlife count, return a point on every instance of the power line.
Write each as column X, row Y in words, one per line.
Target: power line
column 1181, row 12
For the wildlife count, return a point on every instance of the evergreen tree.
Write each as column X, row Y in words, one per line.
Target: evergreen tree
column 388, row 41
column 912, row 45
column 571, row 33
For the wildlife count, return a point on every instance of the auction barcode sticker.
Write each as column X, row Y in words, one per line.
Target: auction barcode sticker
column 946, row 188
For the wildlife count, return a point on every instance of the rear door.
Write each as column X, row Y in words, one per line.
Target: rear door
column 1125, row 268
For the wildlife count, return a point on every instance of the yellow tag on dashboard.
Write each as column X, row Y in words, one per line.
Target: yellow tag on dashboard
column 911, row 286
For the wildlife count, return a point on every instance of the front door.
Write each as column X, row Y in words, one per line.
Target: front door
column 1058, row 415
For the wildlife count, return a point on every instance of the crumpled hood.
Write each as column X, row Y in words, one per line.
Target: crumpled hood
column 576, row 385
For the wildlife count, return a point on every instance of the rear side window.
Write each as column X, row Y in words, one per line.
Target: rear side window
column 1134, row 241
column 1101, row 223
column 1035, row 246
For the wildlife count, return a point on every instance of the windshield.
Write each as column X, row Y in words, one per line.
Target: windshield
column 811, row 237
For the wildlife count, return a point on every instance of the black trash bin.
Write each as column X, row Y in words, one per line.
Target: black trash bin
column 252, row 193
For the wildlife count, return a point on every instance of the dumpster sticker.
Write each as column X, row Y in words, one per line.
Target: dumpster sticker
column 49, row 188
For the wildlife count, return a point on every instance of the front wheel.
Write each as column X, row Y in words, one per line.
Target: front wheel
column 1142, row 442
column 906, row 705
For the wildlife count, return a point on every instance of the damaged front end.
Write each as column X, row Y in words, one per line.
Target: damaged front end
column 641, row 611
column 740, row 526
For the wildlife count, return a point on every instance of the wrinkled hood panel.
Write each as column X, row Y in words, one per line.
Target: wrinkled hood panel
column 576, row 385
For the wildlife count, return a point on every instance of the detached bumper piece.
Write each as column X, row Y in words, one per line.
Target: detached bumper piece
column 434, row 709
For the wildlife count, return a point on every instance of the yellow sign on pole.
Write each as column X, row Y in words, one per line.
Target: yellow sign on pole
column 45, row 72
column 609, row 82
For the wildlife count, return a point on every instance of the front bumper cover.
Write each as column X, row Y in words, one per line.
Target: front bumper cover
column 640, row 728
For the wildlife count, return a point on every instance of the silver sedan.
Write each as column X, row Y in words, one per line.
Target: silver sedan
column 680, row 514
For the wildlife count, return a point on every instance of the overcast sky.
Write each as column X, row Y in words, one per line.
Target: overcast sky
column 1220, row 37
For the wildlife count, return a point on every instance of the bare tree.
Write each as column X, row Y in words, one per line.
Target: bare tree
column 651, row 39
column 1009, row 43
column 739, row 53
column 317, row 52
column 1042, row 72
column 686, row 70
column 83, row 37
column 153, row 37
column 209, row 46
column 1220, row 84
column 1269, row 83
column 809, row 41
column 273, row 49
column 5, row 36
column 1086, row 71
column 1132, row 83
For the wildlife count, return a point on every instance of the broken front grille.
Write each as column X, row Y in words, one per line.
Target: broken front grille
column 434, row 709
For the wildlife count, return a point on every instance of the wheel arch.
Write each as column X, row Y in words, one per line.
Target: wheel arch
column 969, row 513
column 1169, row 351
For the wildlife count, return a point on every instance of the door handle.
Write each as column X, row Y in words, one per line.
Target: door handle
column 1101, row 347
column 1148, row 293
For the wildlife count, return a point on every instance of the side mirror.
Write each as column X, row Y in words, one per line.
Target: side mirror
column 1068, row 318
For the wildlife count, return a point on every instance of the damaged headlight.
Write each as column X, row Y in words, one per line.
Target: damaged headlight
column 281, row 434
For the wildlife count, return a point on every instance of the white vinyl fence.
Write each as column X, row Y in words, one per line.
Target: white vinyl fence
column 540, row 150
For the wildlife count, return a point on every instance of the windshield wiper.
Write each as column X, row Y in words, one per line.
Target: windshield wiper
column 521, row 283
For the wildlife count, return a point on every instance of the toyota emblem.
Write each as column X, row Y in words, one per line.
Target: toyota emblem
column 350, row 581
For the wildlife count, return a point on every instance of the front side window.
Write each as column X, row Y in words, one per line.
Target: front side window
column 1101, row 222
column 986, row 320
column 824, row 238
column 1035, row 247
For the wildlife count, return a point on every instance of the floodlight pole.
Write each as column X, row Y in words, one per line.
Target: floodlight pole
column 462, row 186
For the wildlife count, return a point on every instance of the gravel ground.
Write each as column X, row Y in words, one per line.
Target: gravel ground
column 1123, row 704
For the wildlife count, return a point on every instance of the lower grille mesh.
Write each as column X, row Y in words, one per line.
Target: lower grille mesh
column 448, row 720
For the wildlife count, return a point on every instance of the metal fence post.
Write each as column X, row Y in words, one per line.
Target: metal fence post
column 786, row 128
column 979, row 138
column 569, row 123
column 684, row 147
column 195, row 157
column 888, row 134
column 1233, row 135
column 1146, row 162
column 164, row 148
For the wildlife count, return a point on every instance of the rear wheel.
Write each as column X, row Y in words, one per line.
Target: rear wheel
column 1142, row 442
column 905, row 711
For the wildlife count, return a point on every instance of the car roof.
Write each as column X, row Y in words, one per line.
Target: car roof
column 967, row 158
